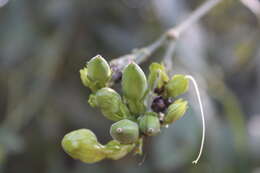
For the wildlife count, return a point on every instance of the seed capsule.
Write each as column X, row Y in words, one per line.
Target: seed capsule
column 134, row 83
column 149, row 124
column 82, row 144
column 110, row 103
column 178, row 85
column 125, row 131
column 175, row 111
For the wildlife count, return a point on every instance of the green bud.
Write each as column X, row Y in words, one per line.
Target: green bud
column 98, row 70
column 134, row 83
column 134, row 86
column 157, row 72
column 82, row 144
column 97, row 73
column 149, row 124
column 110, row 103
column 175, row 111
column 125, row 131
column 115, row 150
column 178, row 85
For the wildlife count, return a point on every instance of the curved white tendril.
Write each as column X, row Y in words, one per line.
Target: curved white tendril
column 202, row 117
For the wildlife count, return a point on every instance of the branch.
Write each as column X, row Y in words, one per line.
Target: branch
column 142, row 54
column 175, row 32
column 168, row 55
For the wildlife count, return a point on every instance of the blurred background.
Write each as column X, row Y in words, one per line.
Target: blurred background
column 43, row 44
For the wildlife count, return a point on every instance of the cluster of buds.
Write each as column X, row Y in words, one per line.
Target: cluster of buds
column 146, row 105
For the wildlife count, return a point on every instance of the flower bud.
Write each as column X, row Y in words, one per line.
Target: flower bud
column 157, row 74
column 178, row 85
column 134, row 83
column 97, row 73
column 114, row 150
column 134, row 86
column 149, row 124
column 110, row 103
column 82, row 144
column 98, row 70
column 175, row 111
column 125, row 131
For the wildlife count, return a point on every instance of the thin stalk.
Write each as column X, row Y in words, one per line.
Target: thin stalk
column 202, row 117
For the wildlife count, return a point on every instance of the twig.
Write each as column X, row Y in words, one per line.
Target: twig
column 139, row 55
column 142, row 54
column 168, row 55
column 175, row 32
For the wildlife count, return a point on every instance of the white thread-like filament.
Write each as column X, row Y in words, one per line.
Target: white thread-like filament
column 202, row 117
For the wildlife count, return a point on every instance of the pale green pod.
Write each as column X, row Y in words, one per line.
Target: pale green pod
column 175, row 111
column 149, row 124
column 82, row 144
column 157, row 74
column 115, row 150
column 178, row 85
column 98, row 70
column 125, row 131
column 134, row 83
column 110, row 103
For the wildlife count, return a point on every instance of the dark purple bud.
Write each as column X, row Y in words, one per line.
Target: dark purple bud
column 158, row 104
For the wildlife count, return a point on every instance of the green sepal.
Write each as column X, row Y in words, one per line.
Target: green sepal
column 178, row 85
column 149, row 124
column 85, row 81
column 110, row 103
column 125, row 131
column 175, row 111
column 115, row 150
column 82, row 144
column 157, row 74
